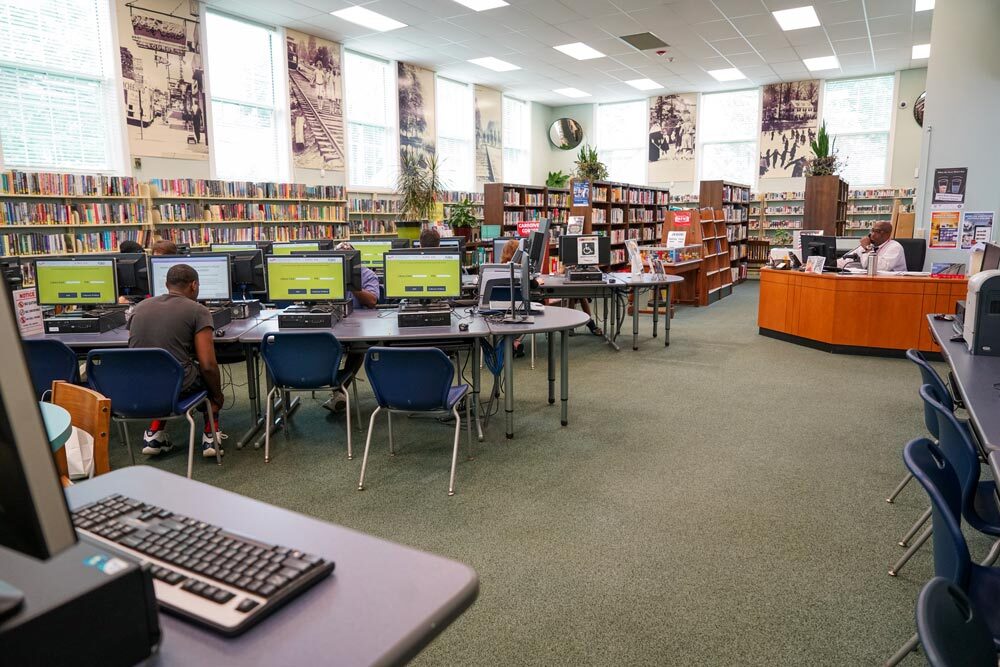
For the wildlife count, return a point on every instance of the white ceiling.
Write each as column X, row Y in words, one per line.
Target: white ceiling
column 868, row 37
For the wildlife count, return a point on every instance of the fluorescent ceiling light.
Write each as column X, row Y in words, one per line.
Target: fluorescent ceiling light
column 820, row 64
column 571, row 92
column 798, row 18
column 729, row 74
column 644, row 84
column 494, row 64
column 579, row 50
column 368, row 19
column 482, row 5
column 923, row 5
column 921, row 51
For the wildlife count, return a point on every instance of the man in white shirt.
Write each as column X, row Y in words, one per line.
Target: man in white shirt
column 879, row 243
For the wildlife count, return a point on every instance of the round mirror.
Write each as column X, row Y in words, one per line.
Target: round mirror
column 918, row 108
column 565, row 133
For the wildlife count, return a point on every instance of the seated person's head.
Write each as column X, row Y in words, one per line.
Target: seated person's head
column 509, row 248
column 344, row 245
column 429, row 238
column 164, row 247
column 183, row 280
column 129, row 247
column 881, row 232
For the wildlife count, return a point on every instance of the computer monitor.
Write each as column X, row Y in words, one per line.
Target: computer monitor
column 132, row 271
column 306, row 278
column 991, row 257
column 823, row 246
column 246, row 272
column 489, row 232
column 352, row 264
column 423, row 273
column 448, row 241
column 77, row 281
column 572, row 246
column 372, row 251
column 34, row 518
column 301, row 246
column 537, row 241
column 846, row 244
column 499, row 243
column 183, row 248
column 214, row 278
column 232, row 247
column 10, row 273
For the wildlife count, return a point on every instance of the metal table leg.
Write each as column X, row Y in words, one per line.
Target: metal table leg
column 666, row 321
column 253, row 391
column 564, row 375
column 550, row 343
column 656, row 308
column 477, row 353
column 508, row 379
column 635, row 317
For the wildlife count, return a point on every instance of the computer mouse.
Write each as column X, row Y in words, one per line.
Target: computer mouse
column 219, row 333
column 464, row 326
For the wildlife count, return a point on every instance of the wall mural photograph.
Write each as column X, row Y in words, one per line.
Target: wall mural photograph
column 489, row 150
column 788, row 125
column 672, row 126
column 315, row 90
column 416, row 112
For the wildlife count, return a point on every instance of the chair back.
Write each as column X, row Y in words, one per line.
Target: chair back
column 950, row 630
column 50, row 360
column 142, row 383
column 935, row 473
column 90, row 412
column 953, row 440
column 929, row 376
column 302, row 360
column 915, row 252
column 409, row 378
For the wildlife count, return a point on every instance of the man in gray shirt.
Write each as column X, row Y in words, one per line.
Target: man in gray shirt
column 177, row 323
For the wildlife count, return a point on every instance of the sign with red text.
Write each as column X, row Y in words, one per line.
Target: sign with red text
column 29, row 315
column 525, row 227
column 682, row 218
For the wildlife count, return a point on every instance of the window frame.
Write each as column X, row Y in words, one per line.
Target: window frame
column 701, row 142
column 890, row 133
column 392, row 157
column 470, row 183
column 526, row 135
column 642, row 149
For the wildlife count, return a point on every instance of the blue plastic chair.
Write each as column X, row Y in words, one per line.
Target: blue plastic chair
column 952, row 633
column 50, row 360
column 414, row 379
column 145, row 384
column 933, row 469
column 306, row 361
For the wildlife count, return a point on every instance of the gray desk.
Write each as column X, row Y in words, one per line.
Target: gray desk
column 649, row 281
column 978, row 379
column 382, row 605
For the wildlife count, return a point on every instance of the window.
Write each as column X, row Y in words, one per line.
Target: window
column 370, row 88
column 456, row 147
column 516, row 141
column 858, row 114
column 249, row 127
column 622, row 139
column 728, row 131
column 60, row 109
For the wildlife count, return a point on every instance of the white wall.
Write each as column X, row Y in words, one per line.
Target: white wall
column 560, row 160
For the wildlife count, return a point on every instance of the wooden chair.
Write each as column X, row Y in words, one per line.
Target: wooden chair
column 89, row 411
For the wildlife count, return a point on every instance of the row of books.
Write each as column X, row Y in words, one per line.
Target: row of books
column 511, row 197
column 648, row 197
column 735, row 193
column 876, row 208
column 618, row 235
column 558, row 199
column 56, row 244
column 534, row 199
column 249, row 212
column 69, row 185
column 684, row 199
column 368, row 205
column 455, row 196
column 782, row 210
column 736, row 233
column 883, row 193
column 791, row 223
column 559, row 216
column 196, row 187
column 373, row 227
column 731, row 213
column 206, row 236
column 737, row 253
column 91, row 213
column 618, row 255
column 609, row 193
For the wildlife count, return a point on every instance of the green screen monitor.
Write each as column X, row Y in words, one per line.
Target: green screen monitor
column 289, row 248
column 372, row 252
column 305, row 278
column 76, row 282
column 431, row 273
column 232, row 247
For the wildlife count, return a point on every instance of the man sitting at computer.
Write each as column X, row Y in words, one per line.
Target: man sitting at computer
column 877, row 243
column 177, row 323
column 164, row 247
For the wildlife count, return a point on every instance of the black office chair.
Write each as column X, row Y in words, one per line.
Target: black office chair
column 915, row 251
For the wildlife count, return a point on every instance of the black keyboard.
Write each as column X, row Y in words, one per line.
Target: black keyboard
column 202, row 573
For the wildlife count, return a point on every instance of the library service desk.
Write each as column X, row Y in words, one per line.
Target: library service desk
column 854, row 314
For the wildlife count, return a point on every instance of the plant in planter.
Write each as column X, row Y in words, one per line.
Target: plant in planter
column 461, row 219
column 589, row 166
column 826, row 161
column 781, row 238
column 557, row 179
column 418, row 187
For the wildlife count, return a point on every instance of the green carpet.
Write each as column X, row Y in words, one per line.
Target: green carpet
column 720, row 501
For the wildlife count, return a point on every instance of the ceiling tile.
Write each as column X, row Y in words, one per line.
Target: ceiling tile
column 583, row 30
column 591, row 8
column 814, row 50
column 845, row 46
column 897, row 41
column 840, row 12
column 888, row 24
column 715, row 30
column 766, row 42
column 795, row 68
column 779, row 55
column 855, row 59
column 849, row 30
column 736, row 8
column 877, row 8
column 759, row 24
column 551, row 11
column 731, row 46
column 744, row 60
column 806, row 36
column 696, row 11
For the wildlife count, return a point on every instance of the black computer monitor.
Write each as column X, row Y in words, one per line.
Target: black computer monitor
column 372, row 251
column 288, row 247
column 991, row 257
column 537, row 241
column 183, row 248
column 263, row 246
column 571, row 246
column 423, row 273
column 214, row 277
column 300, row 276
column 132, row 270
column 11, row 274
column 246, row 271
column 448, row 241
column 823, row 246
column 76, row 281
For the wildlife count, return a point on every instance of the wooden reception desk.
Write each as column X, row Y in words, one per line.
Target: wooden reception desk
column 854, row 314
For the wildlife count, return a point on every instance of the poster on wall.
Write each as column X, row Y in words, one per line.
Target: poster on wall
column 949, row 187
column 977, row 227
column 788, row 125
column 416, row 112
column 316, row 101
column 581, row 193
column 944, row 229
column 672, row 126
column 489, row 149
column 163, row 78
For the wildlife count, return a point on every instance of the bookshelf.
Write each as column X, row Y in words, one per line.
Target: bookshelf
column 825, row 204
column 372, row 213
column 714, row 278
column 866, row 207
column 733, row 199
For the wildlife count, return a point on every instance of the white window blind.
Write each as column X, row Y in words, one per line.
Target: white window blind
column 516, row 140
column 858, row 114
column 370, row 88
column 727, row 134
column 249, row 136
column 59, row 110
column 456, row 147
column 622, row 139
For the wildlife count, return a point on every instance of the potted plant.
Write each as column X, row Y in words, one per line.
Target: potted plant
column 557, row 179
column 418, row 187
column 460, row 218
column 825, row 162
column 589, row 166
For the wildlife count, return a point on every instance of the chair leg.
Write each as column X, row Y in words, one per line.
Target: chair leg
column 899, row 487
column 454, row 450
column 468, row 423
column 905, row 650
column 347, row 397
column 215, row 433
column 909, row 552
column 368, row 442
column 992, row 556
column 357, row 403
column 191, row 431
column 267, row 425
column 128, row 444
column 392, row 446
column 286, row 397
column 905, row 540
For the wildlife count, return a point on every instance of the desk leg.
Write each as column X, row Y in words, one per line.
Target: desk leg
column 253, row 391
column 564, row 375
column 611, row 330
column 635, row 318
column 550, row 342
column 508, row 380
column 656, row 308
column 666, row 321
column 477, row 353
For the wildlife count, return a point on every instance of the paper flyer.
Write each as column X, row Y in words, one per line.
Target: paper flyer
column 575, row 224
column 581, row 193
column 815, row 263
column 676, row 239
column 29, row 315
column 944, row 229
column 977, row 227
column 949, row 187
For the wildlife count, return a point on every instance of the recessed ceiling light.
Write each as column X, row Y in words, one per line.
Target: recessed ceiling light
column 494, row 64
column 482, row 5
column 368, row 18
column 729, row 74
column 923, row 5
column 571, row 92
column 579, row 50
column 644, row 84
column 798, row 18
column 921, row 51
column 820, row 64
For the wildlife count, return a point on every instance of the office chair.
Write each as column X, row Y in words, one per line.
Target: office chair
column 414, row 379
column 307, row 361
column 50, row 360
column 915, row 252
column 145, row 384
column 951, row 632
column 952, row 561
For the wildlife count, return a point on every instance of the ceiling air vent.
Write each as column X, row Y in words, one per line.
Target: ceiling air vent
column 644, row 41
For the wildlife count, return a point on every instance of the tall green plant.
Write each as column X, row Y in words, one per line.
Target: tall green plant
column 826, row 161
column 418, row 186
column 589, row 165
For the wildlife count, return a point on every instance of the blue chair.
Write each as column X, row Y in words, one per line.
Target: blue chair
column 145, row 384
column 306, row 361
column 933, row 469
column 952, row 633
column 50, row 360
column 414, row 379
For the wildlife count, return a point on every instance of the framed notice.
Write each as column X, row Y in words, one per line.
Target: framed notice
column 586, row 250
column 29, row 315
column 949, row 187
column 944, row 229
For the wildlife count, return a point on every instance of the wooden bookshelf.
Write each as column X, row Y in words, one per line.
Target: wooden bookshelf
column 825, row 204
column 713, row 279
column 733, row 199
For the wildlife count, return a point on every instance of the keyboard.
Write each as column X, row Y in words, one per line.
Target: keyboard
column 202, row 573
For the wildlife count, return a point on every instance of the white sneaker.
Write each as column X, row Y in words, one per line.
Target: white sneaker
column 208, row 443
column 156, row 443
column 336, row 403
